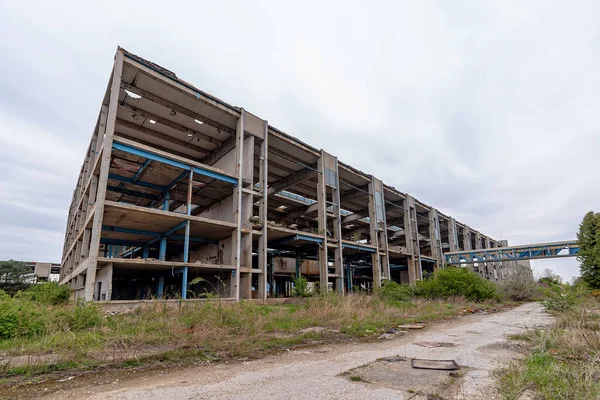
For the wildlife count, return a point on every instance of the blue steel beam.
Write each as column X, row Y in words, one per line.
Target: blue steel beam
column 132, row 192
column 141, row 170
column 358, row 247
column 148, row 185
column 527, row 252
column 128, row 230
column 121, row 242
column 138, row 173
column 293, row 238
column 194, row 239
column 164, row 160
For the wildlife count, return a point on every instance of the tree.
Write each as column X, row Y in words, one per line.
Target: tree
column 13, row 271
column 588, row 239
column 550, row 278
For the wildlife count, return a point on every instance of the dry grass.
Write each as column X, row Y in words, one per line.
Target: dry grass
column 564, row 362
column 215, row 330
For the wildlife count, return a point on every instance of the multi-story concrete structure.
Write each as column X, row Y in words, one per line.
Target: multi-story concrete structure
column 178, row 185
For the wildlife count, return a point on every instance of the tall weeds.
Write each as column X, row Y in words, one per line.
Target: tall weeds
column 564, row 360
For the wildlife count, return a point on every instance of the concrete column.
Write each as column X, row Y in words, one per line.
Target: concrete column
column 236, row 237
column 412, row 240
column 247, row 214
column 322, row 224
column 467, row 238
column 453, row 235
column 109, row 131
column 378, row 231
column 435, row 237
column 333, row 184
column 262, row 211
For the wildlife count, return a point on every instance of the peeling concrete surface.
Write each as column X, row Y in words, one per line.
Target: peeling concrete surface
column 323, row 372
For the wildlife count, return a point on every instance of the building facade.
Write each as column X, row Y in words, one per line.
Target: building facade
column 182, row 194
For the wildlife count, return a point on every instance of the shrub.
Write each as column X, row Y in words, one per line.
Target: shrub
column 451, row 281
column 19, row 319
column 392, row 291
column 50, row 293
column 301, row 287
column 81, row 316
column 519, row 289
column 560, row 299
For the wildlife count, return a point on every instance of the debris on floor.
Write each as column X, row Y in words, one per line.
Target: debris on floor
column 393, row 359
column 429, row 345
column 434, row 344
column 446, row 365
column 412, row 326
column 478, row 311
column 390, row 334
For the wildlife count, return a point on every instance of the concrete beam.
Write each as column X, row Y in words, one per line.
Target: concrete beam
column 291, row 180
column 177, row 108
column 354, row 193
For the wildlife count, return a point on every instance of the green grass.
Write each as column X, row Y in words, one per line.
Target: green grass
column 563, row 361
column 84, row 338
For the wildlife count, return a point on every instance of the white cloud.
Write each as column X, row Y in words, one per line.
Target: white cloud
column 487, row 110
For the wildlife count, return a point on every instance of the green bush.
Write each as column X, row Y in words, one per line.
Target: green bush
column 301, row 287
column 50, row 293
column 451, row 281
column 392, row 291
column 518, row 288
column 20, row 319
column 559, row 298
column 81, row 316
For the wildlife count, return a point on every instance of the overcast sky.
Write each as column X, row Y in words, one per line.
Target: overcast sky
column 488, row 111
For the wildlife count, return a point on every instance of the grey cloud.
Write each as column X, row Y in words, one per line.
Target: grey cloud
column 487, row 111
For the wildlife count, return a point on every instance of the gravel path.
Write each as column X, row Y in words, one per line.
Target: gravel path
column 479, row 344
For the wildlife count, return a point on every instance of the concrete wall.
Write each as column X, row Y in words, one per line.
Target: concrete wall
column 103, row 283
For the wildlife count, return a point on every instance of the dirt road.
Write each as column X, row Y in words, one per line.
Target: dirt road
column 346, row 371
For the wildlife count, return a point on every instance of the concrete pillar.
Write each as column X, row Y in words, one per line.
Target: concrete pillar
column 467, row 238
column 412, row 240
column 322, row 224
column 328, row 194
column 109, row 130
column 236, row 237
column 435, row 237
column 452, row 235
column 378, row 231
column 262, row 213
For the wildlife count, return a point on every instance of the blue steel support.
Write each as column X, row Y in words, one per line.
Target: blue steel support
column 195, row 239
column 141, row 170
column 184, row 278
column 162, row 253
column 178, row 179
column 349, row 275
column 146, row 252
column 164, row 160
column 129, row 230
column 186, row 240
column 176, row 228
column 132, row 193
column 527, row 252
column 161, row 287
column 166, row 201
column 186, row 255
column 148, row 185
column 109, row 241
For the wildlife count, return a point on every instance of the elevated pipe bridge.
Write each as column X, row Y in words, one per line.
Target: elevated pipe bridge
column 538, row 251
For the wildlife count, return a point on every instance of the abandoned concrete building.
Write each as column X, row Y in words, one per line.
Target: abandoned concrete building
column 182, row 194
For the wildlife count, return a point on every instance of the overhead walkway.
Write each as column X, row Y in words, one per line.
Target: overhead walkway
column 538, row 251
